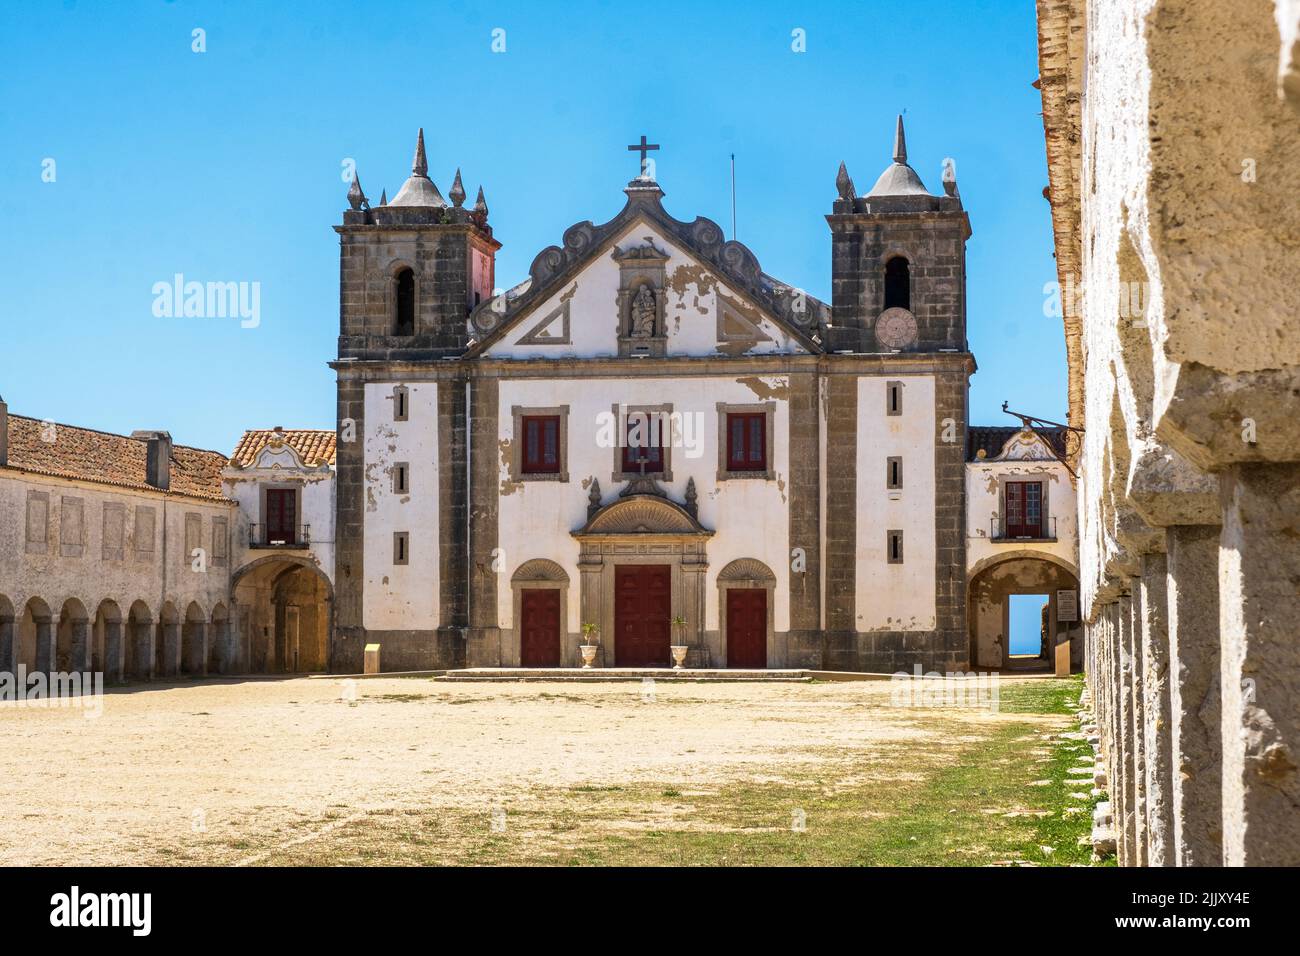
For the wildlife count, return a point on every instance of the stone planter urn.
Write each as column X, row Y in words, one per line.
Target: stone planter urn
column 679, row 649
column 590, row 640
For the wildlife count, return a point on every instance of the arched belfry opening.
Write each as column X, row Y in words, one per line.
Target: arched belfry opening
column 405, row 295
column 898, row 283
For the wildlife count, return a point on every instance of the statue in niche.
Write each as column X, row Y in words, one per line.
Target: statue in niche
column 643, row 313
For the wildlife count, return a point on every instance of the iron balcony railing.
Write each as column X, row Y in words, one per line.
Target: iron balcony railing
column 260, row 536
column 1046, row 530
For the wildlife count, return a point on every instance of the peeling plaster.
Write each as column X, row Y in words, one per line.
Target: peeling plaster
column 766, row 387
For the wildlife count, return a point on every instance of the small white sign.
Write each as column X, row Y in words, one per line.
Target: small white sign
column 1067, row 606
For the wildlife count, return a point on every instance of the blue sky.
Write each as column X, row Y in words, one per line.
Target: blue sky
column 226, row 165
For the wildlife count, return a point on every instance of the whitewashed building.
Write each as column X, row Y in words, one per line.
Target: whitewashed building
column 802, row 504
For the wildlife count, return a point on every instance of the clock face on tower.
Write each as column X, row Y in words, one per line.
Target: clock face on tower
column 896, row 328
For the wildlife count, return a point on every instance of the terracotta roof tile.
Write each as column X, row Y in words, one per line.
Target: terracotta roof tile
column 315, row 446
column 106, row 458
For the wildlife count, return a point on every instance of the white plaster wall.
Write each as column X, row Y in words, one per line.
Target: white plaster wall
column 983, row 503
column 317, row 500
column 750, row 517
column 167, row 576
column 690, row 310
column 896, row 597
column 401, row 597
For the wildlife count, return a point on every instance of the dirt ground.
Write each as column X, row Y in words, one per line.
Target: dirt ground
column 242, row 772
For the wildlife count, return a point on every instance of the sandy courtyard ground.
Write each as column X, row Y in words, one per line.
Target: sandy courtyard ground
column 230, row 771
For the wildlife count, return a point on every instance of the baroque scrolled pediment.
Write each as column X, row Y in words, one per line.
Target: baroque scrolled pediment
column 647, row 514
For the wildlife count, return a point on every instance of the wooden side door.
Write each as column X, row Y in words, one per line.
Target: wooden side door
column 747, row 627
column 539, row 629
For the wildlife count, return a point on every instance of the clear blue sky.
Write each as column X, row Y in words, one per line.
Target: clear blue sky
column 226, row 166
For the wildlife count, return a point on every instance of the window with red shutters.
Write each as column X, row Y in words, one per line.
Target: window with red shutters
column 643, row 440
column 1024, row 509
column 746, row 441
column 541, row 445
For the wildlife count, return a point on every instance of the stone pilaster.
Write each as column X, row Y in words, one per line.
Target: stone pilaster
column 1155, row 709
column 113, row 651
column 1124, row 787
column 1193, row 608
column 347, row 650
column 45, row 630
column 453, row 548
column 1137, row 729
column 484, row 640
column 804, row 645
column 841, row 503
column 1259, row 602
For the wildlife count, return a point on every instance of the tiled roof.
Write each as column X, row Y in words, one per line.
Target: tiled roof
column 315, row 446
column 89, row 455
column 991, row 438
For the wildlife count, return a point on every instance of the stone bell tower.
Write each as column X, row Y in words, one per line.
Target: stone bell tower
column 411, row 270
column 898, row 262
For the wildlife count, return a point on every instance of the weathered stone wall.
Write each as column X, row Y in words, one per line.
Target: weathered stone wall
column 1171, row 159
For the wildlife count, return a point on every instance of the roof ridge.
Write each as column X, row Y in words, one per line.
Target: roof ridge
column 100, row 431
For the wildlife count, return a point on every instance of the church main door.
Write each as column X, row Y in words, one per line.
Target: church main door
column 539, row 637
column 642, row 615
column 746, row 627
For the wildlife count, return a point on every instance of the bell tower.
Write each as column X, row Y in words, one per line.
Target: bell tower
column 898, row 262
column 411, row 270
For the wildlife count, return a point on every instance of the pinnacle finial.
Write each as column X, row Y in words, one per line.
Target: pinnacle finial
column 420, row 166
column 457, row 192
column 480, row 204
column 356, row 198
column 900, row 144
column 383, row 197
column 844, row 184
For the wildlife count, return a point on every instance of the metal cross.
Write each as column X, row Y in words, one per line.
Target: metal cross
column 643, row 147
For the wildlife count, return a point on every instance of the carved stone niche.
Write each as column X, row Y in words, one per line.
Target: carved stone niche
column 642, row 276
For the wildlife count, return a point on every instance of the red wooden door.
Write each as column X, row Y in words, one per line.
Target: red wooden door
column 746, row 627
column 539, row 631
column 642, row 615
column 281, row 516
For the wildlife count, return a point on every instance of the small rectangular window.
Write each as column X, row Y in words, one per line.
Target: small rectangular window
column 894, row 546
column 399, row 403
column 401, row 478
column 541, row 445
column 894, row 472
column 746, row 441
column 401, row 547
column 893, row 398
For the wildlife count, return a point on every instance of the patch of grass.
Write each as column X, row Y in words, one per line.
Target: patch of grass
column 400, row 698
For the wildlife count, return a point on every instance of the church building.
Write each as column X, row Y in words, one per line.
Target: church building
column 651, row 442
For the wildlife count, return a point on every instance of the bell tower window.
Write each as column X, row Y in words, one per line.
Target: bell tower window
column 405, row 318
column 898, row 284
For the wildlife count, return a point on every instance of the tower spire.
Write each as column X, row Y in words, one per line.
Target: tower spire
column 356, row 198
column 420, row 166
column 900, row 144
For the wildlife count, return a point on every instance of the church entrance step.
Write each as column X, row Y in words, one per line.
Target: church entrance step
column 606, row 674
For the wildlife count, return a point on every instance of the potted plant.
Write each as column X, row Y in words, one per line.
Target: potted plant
column 679, row 647
column 590, row 640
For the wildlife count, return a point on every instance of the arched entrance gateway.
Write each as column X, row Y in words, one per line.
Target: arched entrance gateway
column 285, row 608
column 995, row 583
column 643, row 564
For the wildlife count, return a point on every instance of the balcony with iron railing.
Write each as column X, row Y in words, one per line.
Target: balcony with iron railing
column 1021, row 532
column 263, row 536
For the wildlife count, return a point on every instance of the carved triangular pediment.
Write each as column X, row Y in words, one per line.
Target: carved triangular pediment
column 1026, row 445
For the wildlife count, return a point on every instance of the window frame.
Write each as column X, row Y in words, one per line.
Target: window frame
column 892, row 483
column 401, row 548
column 725, row 471
column 892, row 388
column 518, row 415
column 1042, row 523
column 891, row 536
column 622, row 416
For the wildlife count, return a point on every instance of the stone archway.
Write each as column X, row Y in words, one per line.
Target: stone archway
column 7, row 635
column 138, row 643
column 750, row 575
column 107, row 645
column 34, row 636
column 71, row 638
column 194, row 649
column 645, row 529
column 993, row 582
column 285, row 614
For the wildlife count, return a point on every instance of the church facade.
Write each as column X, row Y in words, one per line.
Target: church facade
column 651, row 442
